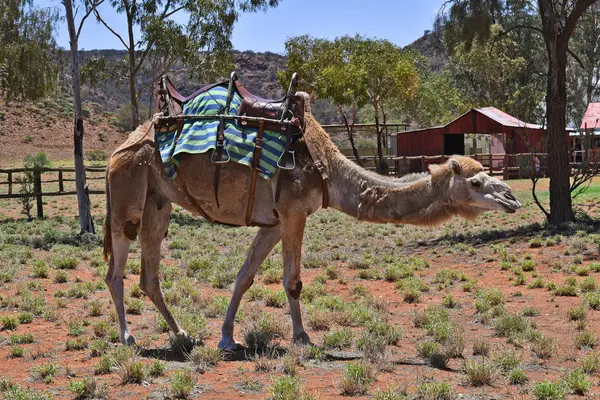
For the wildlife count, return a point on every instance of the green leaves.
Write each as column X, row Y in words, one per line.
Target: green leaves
column 27, row 50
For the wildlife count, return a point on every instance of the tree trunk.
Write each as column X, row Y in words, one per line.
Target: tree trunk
column 350, row 135
column 85, row 218
column 556, row 142
column 382, row 167
column 135, row 117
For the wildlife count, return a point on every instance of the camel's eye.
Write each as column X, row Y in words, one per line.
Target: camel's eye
column 475, row 183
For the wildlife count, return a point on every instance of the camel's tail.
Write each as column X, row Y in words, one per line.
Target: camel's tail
column 107, row 242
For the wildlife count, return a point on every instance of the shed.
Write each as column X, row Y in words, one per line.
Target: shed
column 508, row 134
column 591, row 119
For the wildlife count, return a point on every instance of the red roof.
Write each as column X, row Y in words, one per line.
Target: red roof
column 591, row 120
column 505, row 119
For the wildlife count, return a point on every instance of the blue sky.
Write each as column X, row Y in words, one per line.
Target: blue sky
column 400, row 21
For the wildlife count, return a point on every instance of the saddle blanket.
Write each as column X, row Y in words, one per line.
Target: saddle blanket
column 200, row 136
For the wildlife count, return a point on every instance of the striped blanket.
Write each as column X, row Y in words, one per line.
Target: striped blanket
column 200, row 136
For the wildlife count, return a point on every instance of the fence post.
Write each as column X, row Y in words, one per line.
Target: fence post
column 9, row 182
column 61, row 187
column 505, row 172
column 423, row 164
column 37, row 188
column 491, row 161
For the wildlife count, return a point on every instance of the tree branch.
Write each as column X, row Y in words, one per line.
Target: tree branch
column 99, row 18
column 578, row 10
column 576, row 58
column 87, row 14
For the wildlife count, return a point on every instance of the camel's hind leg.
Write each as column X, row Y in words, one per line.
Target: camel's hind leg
column 114, row 281
column 155, row 222
column 263, row 243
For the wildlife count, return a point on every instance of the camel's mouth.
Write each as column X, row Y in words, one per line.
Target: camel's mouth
column 508, row 202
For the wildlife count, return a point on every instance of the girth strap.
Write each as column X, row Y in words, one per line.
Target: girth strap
column 254, row 170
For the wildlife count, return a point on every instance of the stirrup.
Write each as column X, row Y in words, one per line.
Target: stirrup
column 221, row 161
column 293, row 161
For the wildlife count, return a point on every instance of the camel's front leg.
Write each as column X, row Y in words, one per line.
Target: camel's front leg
column 262, row 245
column 292, row 232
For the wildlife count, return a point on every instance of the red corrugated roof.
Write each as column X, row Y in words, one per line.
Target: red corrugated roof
column 505, row 119
column 592, row 117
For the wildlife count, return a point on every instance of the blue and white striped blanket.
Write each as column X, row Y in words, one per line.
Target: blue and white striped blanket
column 200, row 136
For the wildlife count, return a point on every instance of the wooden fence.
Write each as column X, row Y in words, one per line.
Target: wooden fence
column 61, row 180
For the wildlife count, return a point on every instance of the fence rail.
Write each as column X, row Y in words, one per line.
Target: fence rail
column 58, row 178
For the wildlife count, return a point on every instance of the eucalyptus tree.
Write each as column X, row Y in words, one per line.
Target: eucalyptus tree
column 353, row 72
column 28, row 67
column 83, row 202
column 200, row 42
column 471, row 20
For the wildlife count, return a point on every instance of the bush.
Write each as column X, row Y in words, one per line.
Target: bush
column 340, row 339
column 436, row 391
column 479, row 373
column 96, row 155
column 549, row 390
column 356, row 379
column 182, row 384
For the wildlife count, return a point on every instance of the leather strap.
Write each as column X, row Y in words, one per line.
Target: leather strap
column 324, row 178
column 254, row 172
column 219, row 150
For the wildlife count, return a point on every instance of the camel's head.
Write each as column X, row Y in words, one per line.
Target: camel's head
column 472, row 190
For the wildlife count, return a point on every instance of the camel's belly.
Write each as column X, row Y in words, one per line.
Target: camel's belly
column 227, row 200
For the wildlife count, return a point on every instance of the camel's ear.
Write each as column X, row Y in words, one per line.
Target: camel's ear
column 455, row 166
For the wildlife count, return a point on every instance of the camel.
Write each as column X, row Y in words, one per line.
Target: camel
column 139, row 198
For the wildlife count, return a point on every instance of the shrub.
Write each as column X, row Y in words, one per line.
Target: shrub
column 549, row 390
column 517, row 376
column 481, row 347
column 507, row 360
column 40, row 270
column 356, row 379
column 479, row 373
column 132, row 371
column 585, row 339
column 262, row 330
column 87, row 388
column 157, row 368
column 16, row 352
column 182, row 384
column 97, row 155
column 577, row 382
column 47, row 371
column 276, row 298
column 340, row 339
column 590, row 363
column 25, row 338
column 205, row 357
column 9, row 322
column 436, row 391
column 104, row 365
column 544, row 347
column 60, row 277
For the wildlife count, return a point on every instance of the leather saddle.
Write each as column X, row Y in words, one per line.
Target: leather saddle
column 285, row 115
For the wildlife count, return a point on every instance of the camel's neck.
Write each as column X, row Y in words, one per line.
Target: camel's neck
column 367, row 196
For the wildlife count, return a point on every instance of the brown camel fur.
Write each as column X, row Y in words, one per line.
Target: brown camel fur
column 139, row 199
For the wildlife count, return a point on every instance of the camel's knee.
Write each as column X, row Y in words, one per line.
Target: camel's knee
column 293, row 288
column 132, row 228
column 149, row 286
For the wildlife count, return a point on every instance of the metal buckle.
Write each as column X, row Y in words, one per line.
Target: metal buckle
column 292, row 152
column 221, row 161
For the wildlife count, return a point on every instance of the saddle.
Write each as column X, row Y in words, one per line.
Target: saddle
column 285, row 116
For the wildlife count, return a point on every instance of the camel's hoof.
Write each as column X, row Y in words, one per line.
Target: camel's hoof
column 230, row 345
column 302, row 339
column 128, row 340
